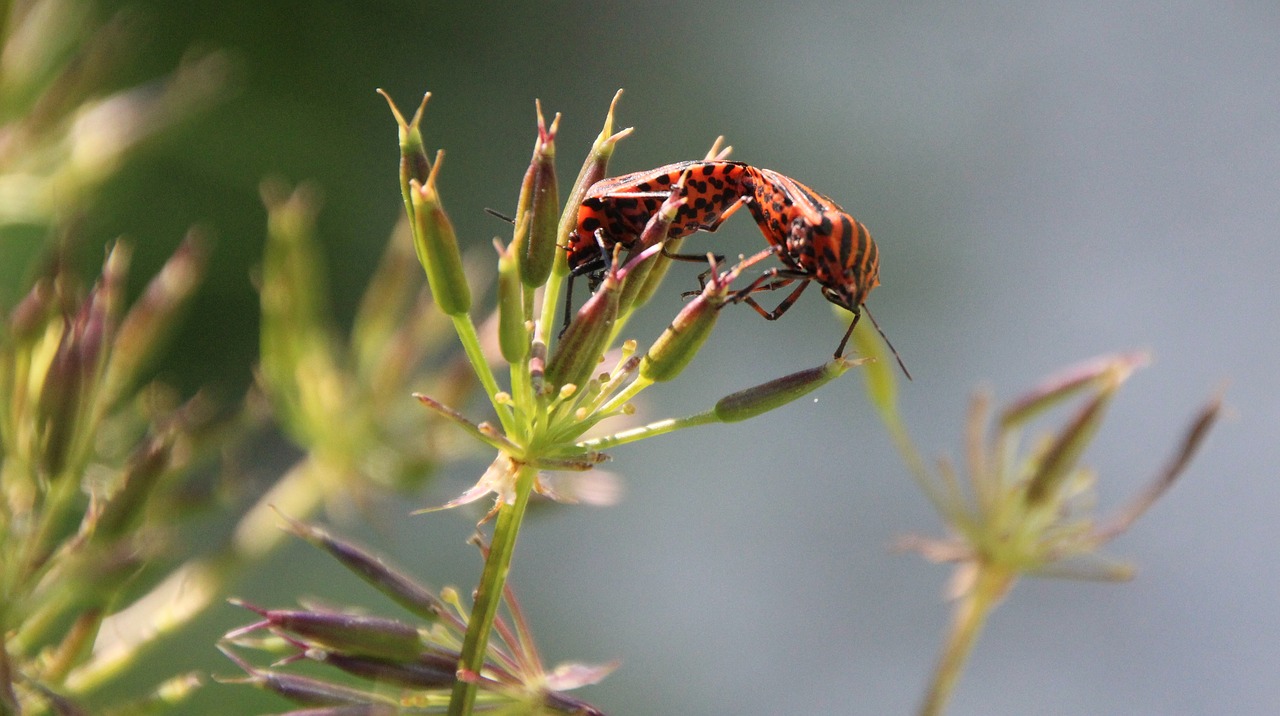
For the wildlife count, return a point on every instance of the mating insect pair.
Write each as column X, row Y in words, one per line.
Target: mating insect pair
column 815, row 239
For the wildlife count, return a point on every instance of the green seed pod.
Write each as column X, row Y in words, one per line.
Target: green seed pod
column 593, row 170
column 354, row 634
column 154, row 314
column 655, row 234
column 776, row 393
column 414, row 165
column 578, row 352
column 513, row 335
column 646, row 285
column 148, row 463
column 677, row 345
column 539, row 211
column 1064, row 453
column 437, row 246
column 397, row 585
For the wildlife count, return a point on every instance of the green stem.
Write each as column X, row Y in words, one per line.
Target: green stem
column 493, row 579
column 617, row 401
column 989, row 587
column 658, row 427
column 471, row 345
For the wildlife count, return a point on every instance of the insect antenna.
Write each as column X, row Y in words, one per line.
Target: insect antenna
column 499, row 214
column 893, row 350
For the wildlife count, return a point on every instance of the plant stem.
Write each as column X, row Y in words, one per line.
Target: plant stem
column 471, row 346
column 489, row 594
column 989, row 587
column 658, row 427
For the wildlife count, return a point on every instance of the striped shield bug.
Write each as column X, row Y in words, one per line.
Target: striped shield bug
column 615, row 210
column 816, row 241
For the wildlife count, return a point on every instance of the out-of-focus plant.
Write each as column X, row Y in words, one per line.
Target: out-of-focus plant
column 393, row 666
column 344, row 403
column 63, row 128
column 91, row 477
column 93, row 464
column 1021, row 513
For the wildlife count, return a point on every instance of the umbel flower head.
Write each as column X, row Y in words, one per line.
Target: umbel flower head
column 559, row 389
column 560, row 385
column 1023, row 514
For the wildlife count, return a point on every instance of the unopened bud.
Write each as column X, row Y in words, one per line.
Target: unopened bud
column 347, row 633
column 402, row 589
column 513, row 336
column 579, row 350
column 677, row 345
column 414, row 165
column 426, row 672
column 593, row 169
column 654, row 234
column 437, row 246
column 539, row 210
column 776, row 393
column 28, row 318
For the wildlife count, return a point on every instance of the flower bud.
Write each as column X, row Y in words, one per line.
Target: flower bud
column 539, row 209
column 347, row 633
column 154, row 313
column 654, row 234
column 677, row 345
column 32, row 313
column 593, row 170
column 1067, row 447
column 414, row 165
column 579, row 350
column 776, row 393
column 513, row 336
column 437, row 246
column 431, row 671
column 400, row 588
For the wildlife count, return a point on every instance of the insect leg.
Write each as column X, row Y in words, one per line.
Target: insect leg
column 744, row 296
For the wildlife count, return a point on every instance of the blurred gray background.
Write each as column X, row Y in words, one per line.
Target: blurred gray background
column 1046, row 181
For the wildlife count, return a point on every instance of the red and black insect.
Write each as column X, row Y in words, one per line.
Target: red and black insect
column 816, row 241
column 615, row 210
column 814, row 238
